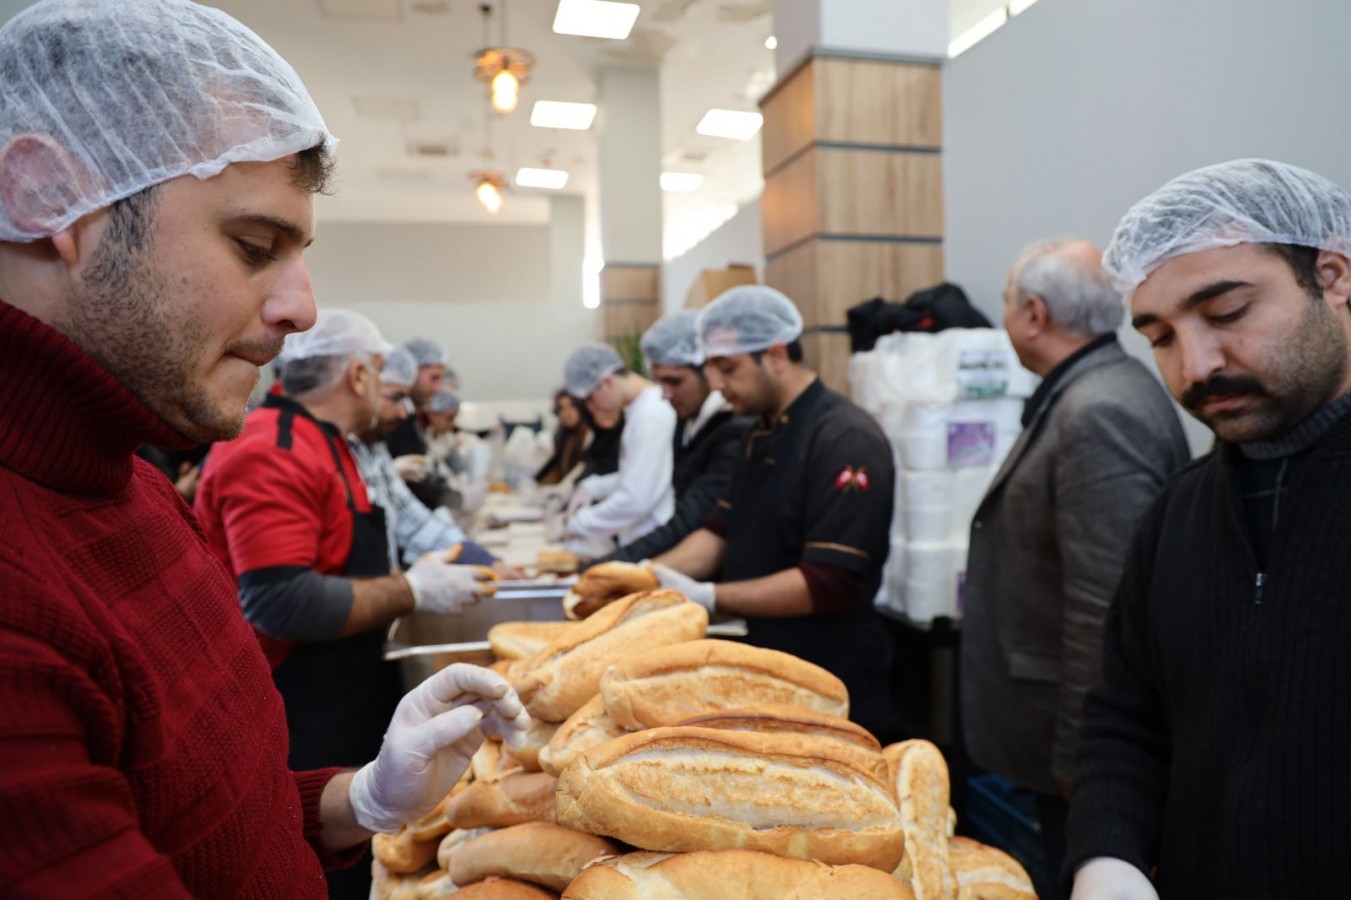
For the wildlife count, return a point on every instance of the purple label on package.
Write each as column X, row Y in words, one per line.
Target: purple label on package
column 970, row 443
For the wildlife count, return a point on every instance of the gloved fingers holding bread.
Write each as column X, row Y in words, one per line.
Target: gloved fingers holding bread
column 605, row 583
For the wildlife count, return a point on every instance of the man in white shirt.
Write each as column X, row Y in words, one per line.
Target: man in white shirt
column 638, row 498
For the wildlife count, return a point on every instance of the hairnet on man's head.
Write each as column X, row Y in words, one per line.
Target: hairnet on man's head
column 427, row 352
column 1246, row 201
column 400, row 367
column 336, row 332
column 133, row 93
column 587, row 366
column 746, row 319
column 443, row 402
column 672, row 341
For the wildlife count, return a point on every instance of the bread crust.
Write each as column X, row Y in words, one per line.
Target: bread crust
column 400, row 853
column 987, row 873
column 583, row 730
column 605, row 583
column 921, row 789
column 669, row 685
column 519, row 797
column 504, row 889
column 522, row 640
column 538, row 852
column 684, row 789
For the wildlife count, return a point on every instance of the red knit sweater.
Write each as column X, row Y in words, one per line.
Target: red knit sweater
column 142, row 743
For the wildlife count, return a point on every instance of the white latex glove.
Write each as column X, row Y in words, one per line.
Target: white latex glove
column 436, row 729
column 580, row 499
column 701, row 592
column 413, row 467
column 1105, row 878
column 442, row 587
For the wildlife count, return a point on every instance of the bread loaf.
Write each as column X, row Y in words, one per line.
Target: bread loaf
column 451, row 843
column 731, row 875
column 522, row 640
column 504, row 889
column 433, row 826
column 489, row 763
column 400, row 853
column 538, row 852
column 921, row 790
column 435, row 886
column 605, row 583
column 557, row 562
column 536, row 739
column 556, row 681
column 583, row 730
column 685, row 789
column 517, row 798
column 673, row 683
column 985, row 873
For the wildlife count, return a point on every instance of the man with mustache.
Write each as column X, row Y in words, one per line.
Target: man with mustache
column 1213, row 757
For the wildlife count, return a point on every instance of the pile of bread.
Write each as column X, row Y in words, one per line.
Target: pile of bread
column 664, row 765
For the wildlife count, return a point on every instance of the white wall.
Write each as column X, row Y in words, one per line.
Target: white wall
column 739, row 240
column 1075, row 109
column 483, row 291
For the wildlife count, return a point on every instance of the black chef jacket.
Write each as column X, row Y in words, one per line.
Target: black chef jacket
column 817, row 486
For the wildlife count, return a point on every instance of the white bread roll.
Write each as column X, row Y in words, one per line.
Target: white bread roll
column 491, row 763
column 921, row 789
column 555, row 682
column 986, row 873
column 452, row 842
column 504, row 889
column 538, row 852
column 536, row 739
column 603, row 584
column 520, row 797
column 731, row 875
column 685, row 789
column 522, row 640
column 435, row 886
column 400, row 853
column 583, row 730
column 671, row 684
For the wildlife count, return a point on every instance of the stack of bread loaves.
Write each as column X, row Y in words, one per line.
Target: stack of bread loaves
column 663, row 765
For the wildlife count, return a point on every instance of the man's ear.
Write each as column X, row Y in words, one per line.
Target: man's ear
column 40, row 183
column 1038, row 320
column 357, row 373
column 1334, row 277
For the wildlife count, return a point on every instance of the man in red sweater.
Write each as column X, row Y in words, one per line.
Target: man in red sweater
column 157, row 164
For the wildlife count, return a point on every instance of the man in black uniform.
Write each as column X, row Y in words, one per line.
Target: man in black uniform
column 709, row 438
column 801, row 535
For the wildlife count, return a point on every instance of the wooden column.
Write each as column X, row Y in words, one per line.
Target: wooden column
column 853, row 201
column 630, row 298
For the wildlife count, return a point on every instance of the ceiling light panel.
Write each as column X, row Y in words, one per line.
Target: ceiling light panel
column 556, row 114
column 552, row 179
column 681, row 181
column 727, row 123
column 595, row 18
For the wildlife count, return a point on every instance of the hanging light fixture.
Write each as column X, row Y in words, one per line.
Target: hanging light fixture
column 488, row 185
column 503, row 68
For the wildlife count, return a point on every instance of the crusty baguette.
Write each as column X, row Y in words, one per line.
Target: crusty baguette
column 522, row 640
column 583, row 730
column 731, row 875
column 435, row 886
column 519, row 797
column 987, row 873
column 490, row 763
column 536, row 739
column 921, row 790
column 856, row 739
column 452, row 842
column 555, row 682
column 685, row 789
column 538, row 852
column 400, row 853
column 668, row 685
column 504, row 889
column 433, row 826
column 558, row 562
column 603, row 584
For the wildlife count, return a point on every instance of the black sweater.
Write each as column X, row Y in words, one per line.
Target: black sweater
column 1218, row 746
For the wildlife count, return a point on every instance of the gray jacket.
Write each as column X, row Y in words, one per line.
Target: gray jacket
column 1048, row 543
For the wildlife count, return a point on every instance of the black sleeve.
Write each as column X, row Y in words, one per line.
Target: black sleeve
column 295, row 603
column 405, row 440
column 849, row 497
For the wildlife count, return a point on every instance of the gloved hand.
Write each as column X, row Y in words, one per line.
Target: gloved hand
column 1105, row 878
column 702, row 592
column 442, row 587
column 436, row 729
column 413, row 468
column 580, row 499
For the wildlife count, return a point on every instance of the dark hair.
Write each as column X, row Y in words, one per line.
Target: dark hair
column 1303, row 262
column 300, row 376
column 794, row 348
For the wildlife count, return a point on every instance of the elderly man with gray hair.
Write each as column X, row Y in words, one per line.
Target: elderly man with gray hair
column 1047, row 542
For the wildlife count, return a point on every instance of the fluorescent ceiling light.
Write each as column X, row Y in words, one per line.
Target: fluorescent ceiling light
column 726, row 123
column 595, row 18
column 772, row 43
column 556, row 114
column 978, row 32
column 681, row 181
column 553, row 179
column 1017, row 6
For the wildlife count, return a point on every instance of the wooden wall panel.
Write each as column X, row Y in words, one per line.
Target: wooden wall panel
column 630, row 299
column 871, row 192
column 789, row 210
column 873, row 102
column 794, row 273
column 828, row 354
column 849, row 272
column 790, row 118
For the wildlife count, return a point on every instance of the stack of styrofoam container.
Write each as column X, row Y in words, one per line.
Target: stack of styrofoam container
column 950, row 404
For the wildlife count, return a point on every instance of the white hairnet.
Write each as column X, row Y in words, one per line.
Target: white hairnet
column 746, row 319
column 336, row 332
column 587, row 365
column 671, row 341
column 138, row 92
column 1246, row 201
column 400, row 367
column 443, row 402
column 427, row 352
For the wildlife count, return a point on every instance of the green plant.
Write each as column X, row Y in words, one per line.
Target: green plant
column 631, row 351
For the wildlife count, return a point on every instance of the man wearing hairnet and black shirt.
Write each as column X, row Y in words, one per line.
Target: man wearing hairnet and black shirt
column 157, row 168
column 801, row 534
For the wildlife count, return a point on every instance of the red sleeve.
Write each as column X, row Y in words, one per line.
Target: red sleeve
column 833, row 590
column 311, row 785
column 716, row 520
